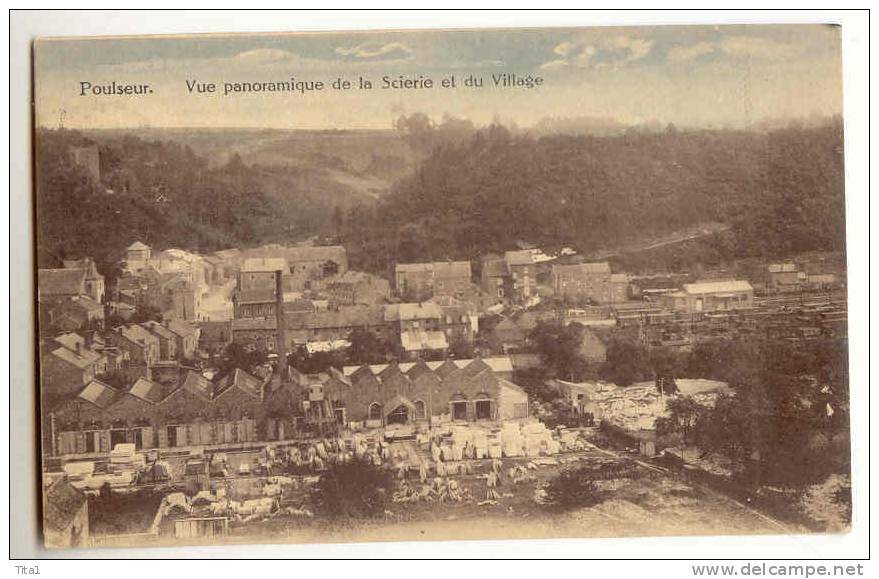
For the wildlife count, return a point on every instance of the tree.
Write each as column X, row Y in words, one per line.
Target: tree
column 237, row 356
column 626, row 362
column 559, row 347
column 573, row 488
column 365, row 347
column 355, row 489
column 684, row 415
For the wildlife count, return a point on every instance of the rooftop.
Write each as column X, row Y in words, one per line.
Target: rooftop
column 718, row 286
column 519, row 257
column 98, row 393
column 264, row 264
column 64, row 281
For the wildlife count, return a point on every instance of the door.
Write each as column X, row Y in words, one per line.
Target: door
column 400, row 415
column 483, row 410
column 172, row 435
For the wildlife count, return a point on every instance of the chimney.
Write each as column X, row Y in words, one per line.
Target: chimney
column 281, row 339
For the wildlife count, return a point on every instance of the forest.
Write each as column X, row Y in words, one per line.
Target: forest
column 780, row 192
column 472, row 191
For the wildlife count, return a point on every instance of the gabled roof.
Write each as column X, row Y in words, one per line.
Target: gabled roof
column 137, row 334
column 782, row 267
column 519, row 257
column 82, row 360
column 264, row 264
column 445, row 369
column 419, row 369
column 413, row 311
column 62, row 503
column 198, row 385
column 98, row 393
column 418, row 340
column 147, row 390
column 392, row 370
column 70, row 340
column 138, row 246
column 363, row 375
column 475, row 367
column 181, row 328
column 439, row 268
column 496, row 267
column 709, row 287
column 83, row 303
column 254, row 296
column 583, row 268
column 159, row 330
column 63, row 282
column 241, row 380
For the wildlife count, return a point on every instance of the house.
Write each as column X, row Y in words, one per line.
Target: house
column 214, row 337
column 257, row 302
column 385, row 395
column 65, row 515
column 495, row 278
column 67, row 364
column 589, row 282
column 197, row 412
column 302, row 264
column 711, row 296
column 60, row 284
column 80, row 312
column 137, row 255
column 95, row 287
column 356, row 287
column 167, row 339
column 420, row 281
column 523, row 273
column 187, row 336
column 507, row 336
column 141, row 345
column 784, row 277
column 258, row 273
column 460, row 321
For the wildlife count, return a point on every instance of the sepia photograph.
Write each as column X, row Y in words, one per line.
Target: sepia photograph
column 435, row 285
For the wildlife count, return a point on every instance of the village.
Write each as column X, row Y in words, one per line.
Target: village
column 202, row 396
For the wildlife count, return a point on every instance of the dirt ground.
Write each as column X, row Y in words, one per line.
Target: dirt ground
column 649, row 503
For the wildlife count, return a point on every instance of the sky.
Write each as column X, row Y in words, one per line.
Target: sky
column 692, row 76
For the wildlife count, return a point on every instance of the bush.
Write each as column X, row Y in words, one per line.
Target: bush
column 572, row 489
column 356, row 489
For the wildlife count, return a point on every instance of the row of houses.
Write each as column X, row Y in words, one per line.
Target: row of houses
column 514, row 278
column 241, row 408
column 413, row 328
column 70, row 360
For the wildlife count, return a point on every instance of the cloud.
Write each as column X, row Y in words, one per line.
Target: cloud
column 683, row 53
column 737, row 47
column 264, row 56
column 756, row 47
column 375, row 50
column 606, row 54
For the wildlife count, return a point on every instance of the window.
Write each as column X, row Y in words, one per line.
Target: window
column 375, row 411
column 483, row 409
column 420, row 410
column 459, row 410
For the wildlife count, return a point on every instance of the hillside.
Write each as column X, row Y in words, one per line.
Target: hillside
column 774, row 193
column 346, row 166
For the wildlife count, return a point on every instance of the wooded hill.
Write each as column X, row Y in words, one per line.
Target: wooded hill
column 780, row 192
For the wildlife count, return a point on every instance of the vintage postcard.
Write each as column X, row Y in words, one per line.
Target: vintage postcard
column 433, row 285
